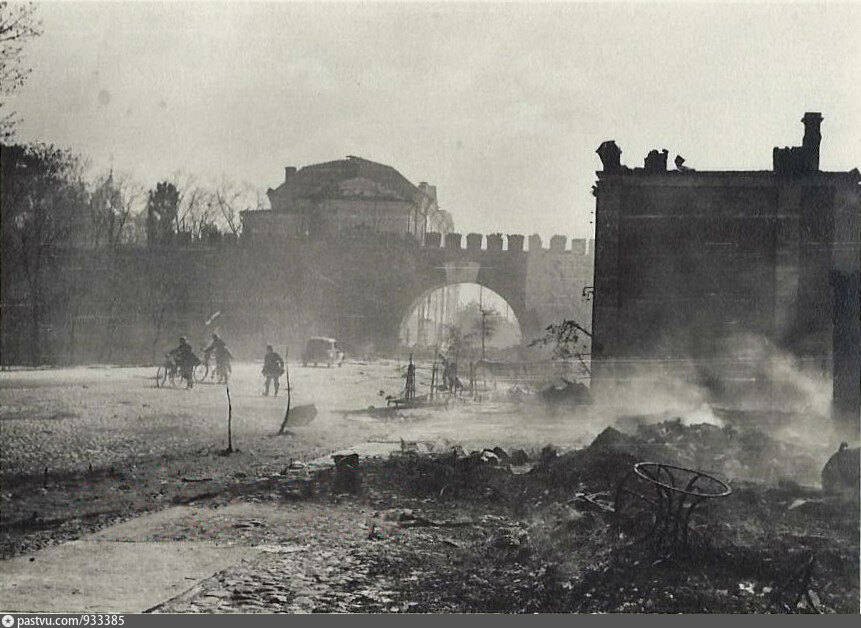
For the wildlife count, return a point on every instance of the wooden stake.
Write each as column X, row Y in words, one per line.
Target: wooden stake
column 287, row 378
column 229, row 422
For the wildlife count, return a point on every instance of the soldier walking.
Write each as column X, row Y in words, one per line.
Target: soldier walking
column 273, row 369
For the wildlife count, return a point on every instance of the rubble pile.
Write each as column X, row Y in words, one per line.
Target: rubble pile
column 737, row 454
column 601, row 465
column 444, row 475
column 726, row 451
column 548, row 540
column 569, row 394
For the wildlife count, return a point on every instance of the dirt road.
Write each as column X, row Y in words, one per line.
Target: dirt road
column 69, row 419
column 115, row 445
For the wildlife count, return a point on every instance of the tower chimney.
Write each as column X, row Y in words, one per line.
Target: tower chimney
column 289, row 171
column 610, row 155
column 812, row 138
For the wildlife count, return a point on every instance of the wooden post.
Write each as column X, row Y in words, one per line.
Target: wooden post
column 287, row 380
column 229, row 422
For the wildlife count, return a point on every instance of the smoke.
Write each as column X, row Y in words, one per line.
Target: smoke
column 649, row 391
column 749, row 383
column 774, row 379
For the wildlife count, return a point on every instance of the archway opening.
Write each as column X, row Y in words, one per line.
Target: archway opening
column 462, row 317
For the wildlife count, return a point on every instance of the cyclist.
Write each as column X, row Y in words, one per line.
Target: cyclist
column 222, row 357
column 185, row 360
column 273, row 368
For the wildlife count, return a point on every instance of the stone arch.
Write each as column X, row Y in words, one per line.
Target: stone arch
column 441, row 272
column 411, row 306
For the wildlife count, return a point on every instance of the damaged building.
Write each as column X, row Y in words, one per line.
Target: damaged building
column 693, row 266
column 337, row 199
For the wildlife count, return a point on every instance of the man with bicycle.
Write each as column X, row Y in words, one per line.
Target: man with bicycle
column 185, row 360
column 222, row 357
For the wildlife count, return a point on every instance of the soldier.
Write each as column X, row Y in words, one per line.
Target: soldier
column 222, row 357
column 273, row 369
column 186, row 360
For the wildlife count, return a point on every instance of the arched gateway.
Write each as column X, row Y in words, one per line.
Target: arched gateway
column 360, row 290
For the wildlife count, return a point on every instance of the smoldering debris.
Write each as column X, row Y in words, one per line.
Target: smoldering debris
column 569, row 395
column 735, row 453
column 555, row 527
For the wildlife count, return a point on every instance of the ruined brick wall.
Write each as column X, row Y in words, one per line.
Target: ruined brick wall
column 686, row 261
column 682, row 262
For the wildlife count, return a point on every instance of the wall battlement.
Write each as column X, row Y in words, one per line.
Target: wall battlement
column 511, row 243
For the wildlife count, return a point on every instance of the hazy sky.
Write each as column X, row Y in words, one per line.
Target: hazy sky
column 500, row 106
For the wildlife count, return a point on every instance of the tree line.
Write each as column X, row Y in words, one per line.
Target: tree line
column 51, row 205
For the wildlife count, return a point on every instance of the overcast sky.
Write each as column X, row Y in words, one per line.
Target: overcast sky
column 500, row 106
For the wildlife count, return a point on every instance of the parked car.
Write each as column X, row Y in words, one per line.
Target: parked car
column 319, row 350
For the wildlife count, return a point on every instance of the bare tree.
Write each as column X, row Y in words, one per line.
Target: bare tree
column 94, row 285
column 232, row 198
column 115, row 199
column 18, row 25
column 196, row 212
column 566, row 340
column 42, row 197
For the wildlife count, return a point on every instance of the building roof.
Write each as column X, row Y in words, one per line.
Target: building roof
column 352, row 177
column 635, row 175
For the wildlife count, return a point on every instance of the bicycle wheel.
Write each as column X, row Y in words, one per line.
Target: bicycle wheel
column 200, row 372
column 160, row 376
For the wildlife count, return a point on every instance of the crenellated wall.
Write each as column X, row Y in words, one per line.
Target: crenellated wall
column 550, row 283
column 272, row 288
column 512, row 243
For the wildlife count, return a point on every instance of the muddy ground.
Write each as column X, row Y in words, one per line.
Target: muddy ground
column 426, row 529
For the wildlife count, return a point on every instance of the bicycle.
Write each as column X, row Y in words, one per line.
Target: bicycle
column 217, row 373
column 203, row 370
column 168, row 372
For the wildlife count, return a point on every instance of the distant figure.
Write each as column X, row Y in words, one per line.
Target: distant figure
column 273, row 369
column 222, row 357
column 184, row 357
